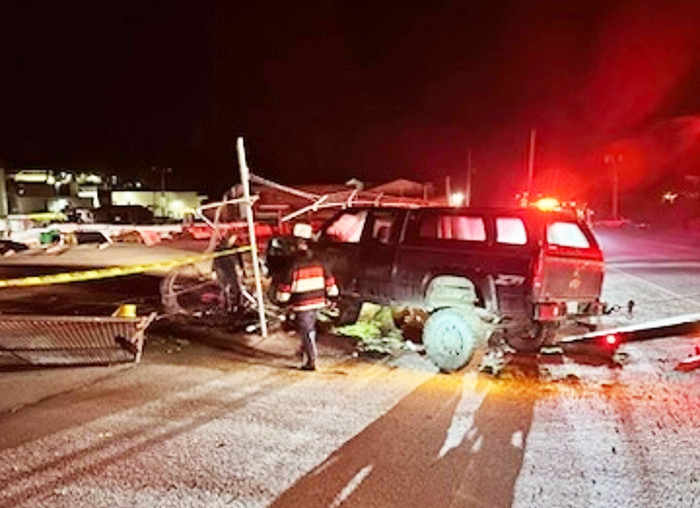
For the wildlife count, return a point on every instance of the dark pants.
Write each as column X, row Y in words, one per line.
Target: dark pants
column 306, row 326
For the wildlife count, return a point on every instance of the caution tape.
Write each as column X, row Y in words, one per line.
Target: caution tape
column 115, row 271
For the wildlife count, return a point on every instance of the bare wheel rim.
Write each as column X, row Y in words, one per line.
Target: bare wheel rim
column 185, row 288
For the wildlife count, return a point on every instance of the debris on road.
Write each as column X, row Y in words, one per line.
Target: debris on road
column 685, row 324
column 689, row 364
column 375, row 331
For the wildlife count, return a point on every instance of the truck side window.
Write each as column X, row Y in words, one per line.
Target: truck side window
column 511, row 231
column 567, row 234
column 347, row 228
column 384, row 226
column 452, row 227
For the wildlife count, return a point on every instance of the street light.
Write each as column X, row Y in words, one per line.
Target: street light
column 614, row 161
column 457, row 199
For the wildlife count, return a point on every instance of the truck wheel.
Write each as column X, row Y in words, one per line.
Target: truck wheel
column 450, row 341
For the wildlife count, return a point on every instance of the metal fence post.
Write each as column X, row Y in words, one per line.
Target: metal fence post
column 245, row 181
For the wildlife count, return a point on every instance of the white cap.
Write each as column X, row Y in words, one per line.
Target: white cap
column 303, row 230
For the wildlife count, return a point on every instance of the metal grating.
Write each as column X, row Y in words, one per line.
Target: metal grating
column 71, row 340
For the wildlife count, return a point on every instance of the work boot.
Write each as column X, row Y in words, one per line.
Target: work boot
column 308, row 366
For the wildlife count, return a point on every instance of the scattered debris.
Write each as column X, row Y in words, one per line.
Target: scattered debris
column 493, row 362
column 690, row 363
column 551, row 350
column 416, row 348
column 375, row 331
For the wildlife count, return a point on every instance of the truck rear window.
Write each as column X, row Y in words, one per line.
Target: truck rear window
column 452, row 227
column 567, row 234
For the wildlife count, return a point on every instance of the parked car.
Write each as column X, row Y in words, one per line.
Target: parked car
column 515, row 274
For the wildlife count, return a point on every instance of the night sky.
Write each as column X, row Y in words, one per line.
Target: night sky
column 328, row 90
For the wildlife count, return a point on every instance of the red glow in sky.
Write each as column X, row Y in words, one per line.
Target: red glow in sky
column 645, row 50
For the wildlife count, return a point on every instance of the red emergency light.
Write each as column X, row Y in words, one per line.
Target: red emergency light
column 612, row 340
column 547, row 204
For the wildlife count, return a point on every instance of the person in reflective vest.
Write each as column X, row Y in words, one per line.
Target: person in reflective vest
column 306, row 288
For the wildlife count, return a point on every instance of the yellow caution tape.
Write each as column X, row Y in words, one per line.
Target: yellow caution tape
column 114, row 271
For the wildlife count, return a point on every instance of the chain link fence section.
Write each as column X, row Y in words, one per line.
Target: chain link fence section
column 71, row 340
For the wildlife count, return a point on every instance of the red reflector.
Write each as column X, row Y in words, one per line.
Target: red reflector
column 611, row 339
column 547, row 311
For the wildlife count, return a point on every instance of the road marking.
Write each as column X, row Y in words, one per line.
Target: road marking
column 463, row 417
column 517, row 439
column 352, row 485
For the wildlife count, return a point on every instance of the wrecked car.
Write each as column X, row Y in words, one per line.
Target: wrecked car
column 514, row 275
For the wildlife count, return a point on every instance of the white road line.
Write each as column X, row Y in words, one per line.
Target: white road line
column 351, row 486
column 517, row 439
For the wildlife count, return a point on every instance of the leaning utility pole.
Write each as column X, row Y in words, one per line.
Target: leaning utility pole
column 468, row 191
column 531, row 163
column 613, row 161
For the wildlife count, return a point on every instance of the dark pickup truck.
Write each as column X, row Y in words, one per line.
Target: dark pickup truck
column 516, row 274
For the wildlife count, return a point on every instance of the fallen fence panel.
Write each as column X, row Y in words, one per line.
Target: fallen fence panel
column 71, row 340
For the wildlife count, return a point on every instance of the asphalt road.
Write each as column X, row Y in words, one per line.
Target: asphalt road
column 195, row 426
column 659, row 270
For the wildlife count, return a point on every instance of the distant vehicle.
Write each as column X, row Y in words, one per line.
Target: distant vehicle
column 521, row 272
column 123, row 214
column 10, row 246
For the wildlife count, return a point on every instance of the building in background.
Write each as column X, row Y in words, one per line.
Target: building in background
column 168, row 204
column 31, row 191
column 405, row 189
column 47, row 190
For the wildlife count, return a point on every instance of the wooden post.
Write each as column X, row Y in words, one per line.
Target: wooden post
column 245, row 181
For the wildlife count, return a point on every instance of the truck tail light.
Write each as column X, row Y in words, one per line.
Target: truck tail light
column 548, row 311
